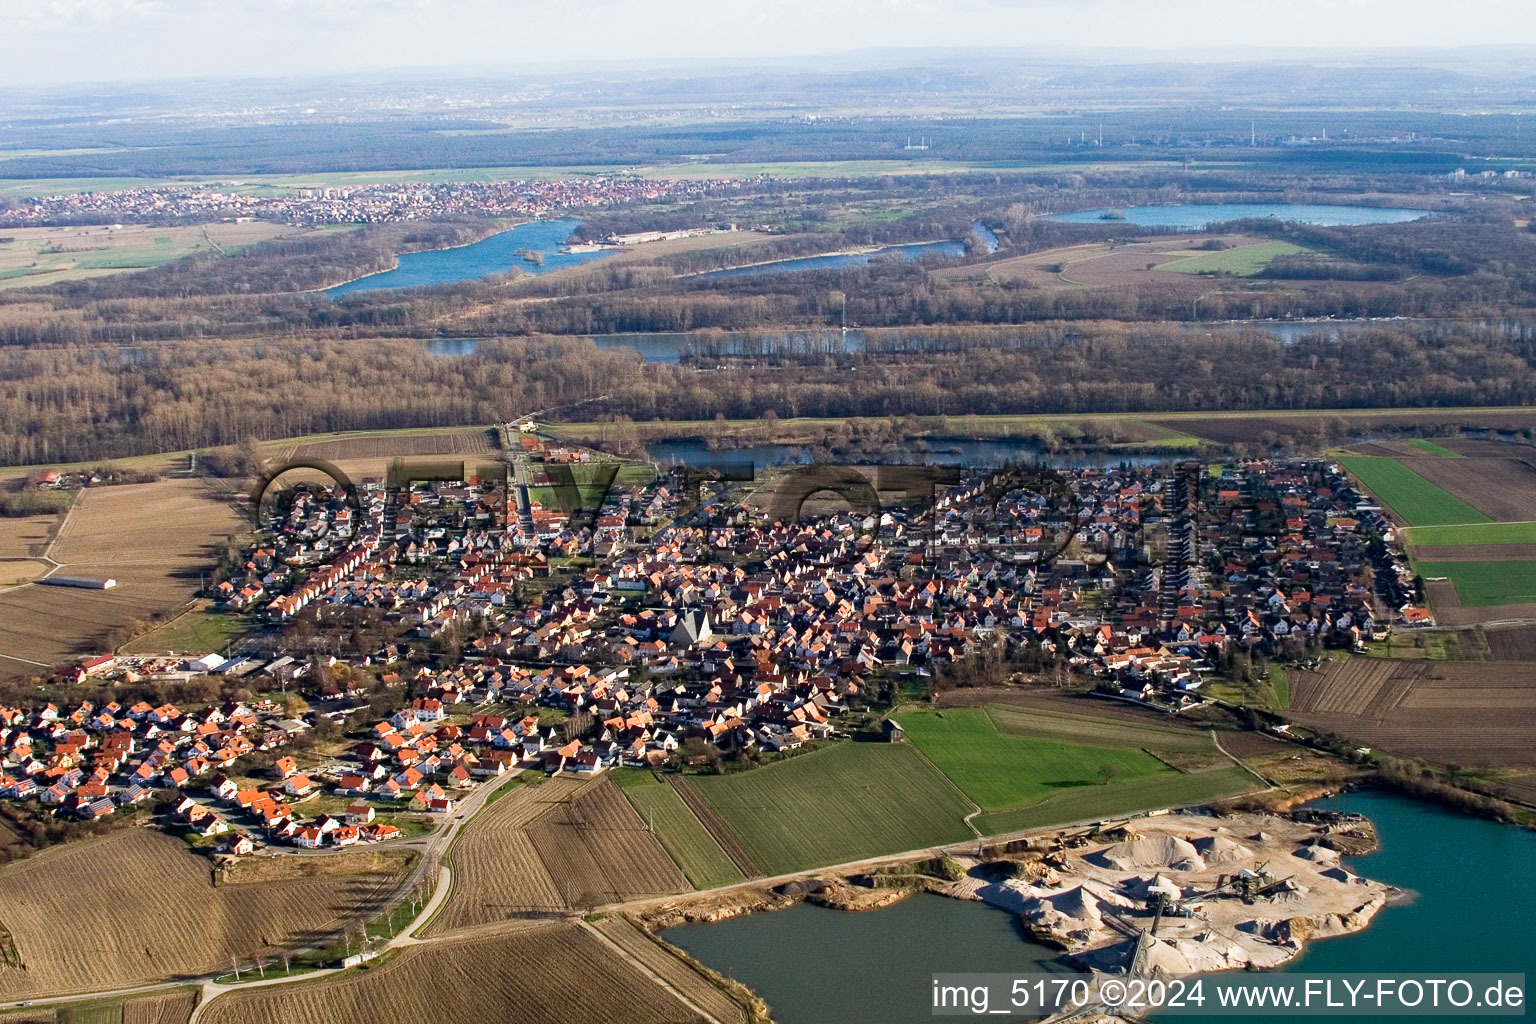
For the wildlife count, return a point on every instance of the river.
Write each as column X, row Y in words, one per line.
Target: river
column 1473, row 901
column 1196, row 216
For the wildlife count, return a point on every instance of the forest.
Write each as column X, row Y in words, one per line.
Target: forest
column 215, row 349
column 74, row 404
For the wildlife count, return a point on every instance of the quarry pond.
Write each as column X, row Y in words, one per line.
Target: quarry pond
column 1196, row 216
column 1453, row 871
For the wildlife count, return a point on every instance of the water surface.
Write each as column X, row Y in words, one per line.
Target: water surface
column 497, row 254
column 818, row 966
column 1195, row 217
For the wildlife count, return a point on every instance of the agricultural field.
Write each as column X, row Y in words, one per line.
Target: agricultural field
column 1477, row 534
column 200, row 629
column 1414, row 499
column 34, row 256
column 1512, row 643
column 1432, row 448
column 91, row 915
column 497, row 871
column 1000, row 770
column 1478, row 712
column 1151, row 260
column 1504, row 490
column 170, row 1008
column 1483, row 583
column 682, row 834
column 1239, row 261
column 155, row 539
column 363, row 455
column 1261, row 426
column 660, row 959
column 598, row 850
column 1170, row 789
column 553, row 973
column 841, row 803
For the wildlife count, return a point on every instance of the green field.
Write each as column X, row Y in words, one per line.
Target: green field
column 1239, row 261
column 1062, row 727
column 1169, row 789
column 842, row 803
column 1512, row 581
column 1000, row 770
column 681, row 834
column 199, row 631
column 1425, row 445
column 1415, row 499
column 1481, row 533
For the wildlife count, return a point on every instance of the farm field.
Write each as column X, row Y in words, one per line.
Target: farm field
column 171, row 1008
column 1415, row 499
column 114, row 890
column 155, row 539
column 551, row 973
column 598, row 851
column 1473, row 534
column 1512, row 643
column 1167, row 789
column 1148, row 260
column 383, row 444
column 841, row 803
column 1479, row 583
column 671, row 968
column 1502, row 489
column 47, row 255
column 680, row 831
column 1432, row 448
column 200, row 629
column 1466, row 712
column 497, row 871
column 999, row 770
column 1240, row 261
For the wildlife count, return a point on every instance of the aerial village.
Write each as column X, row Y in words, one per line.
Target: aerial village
column 676, row 620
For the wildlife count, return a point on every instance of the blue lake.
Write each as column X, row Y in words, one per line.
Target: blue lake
column 1196, row 216
column 497, row 254
column 1470, row 912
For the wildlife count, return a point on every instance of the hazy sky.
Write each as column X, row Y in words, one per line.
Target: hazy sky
column 94, row 40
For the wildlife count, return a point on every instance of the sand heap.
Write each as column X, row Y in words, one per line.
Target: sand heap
column 1157, row 851
column 1072, row 917
column 1219, row 851
column 1317, row 853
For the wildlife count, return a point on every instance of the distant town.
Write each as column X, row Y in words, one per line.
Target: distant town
column 353, row 204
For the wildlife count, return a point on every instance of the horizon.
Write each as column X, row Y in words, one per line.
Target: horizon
column 147, row 41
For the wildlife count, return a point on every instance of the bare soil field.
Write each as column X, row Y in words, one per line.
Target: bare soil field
column 1478, row 448
column 1512, row 643
column 388, row 446
column 598, row 850
column 171, row 1008
column 26, row 536
column 551, row 973
column 497, row 872
column 1470, row 713
column 156, row 539
column 93, row 914
column 673, row 969
column 1475, row 552
column 1502, row 489
column 1239, row 428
